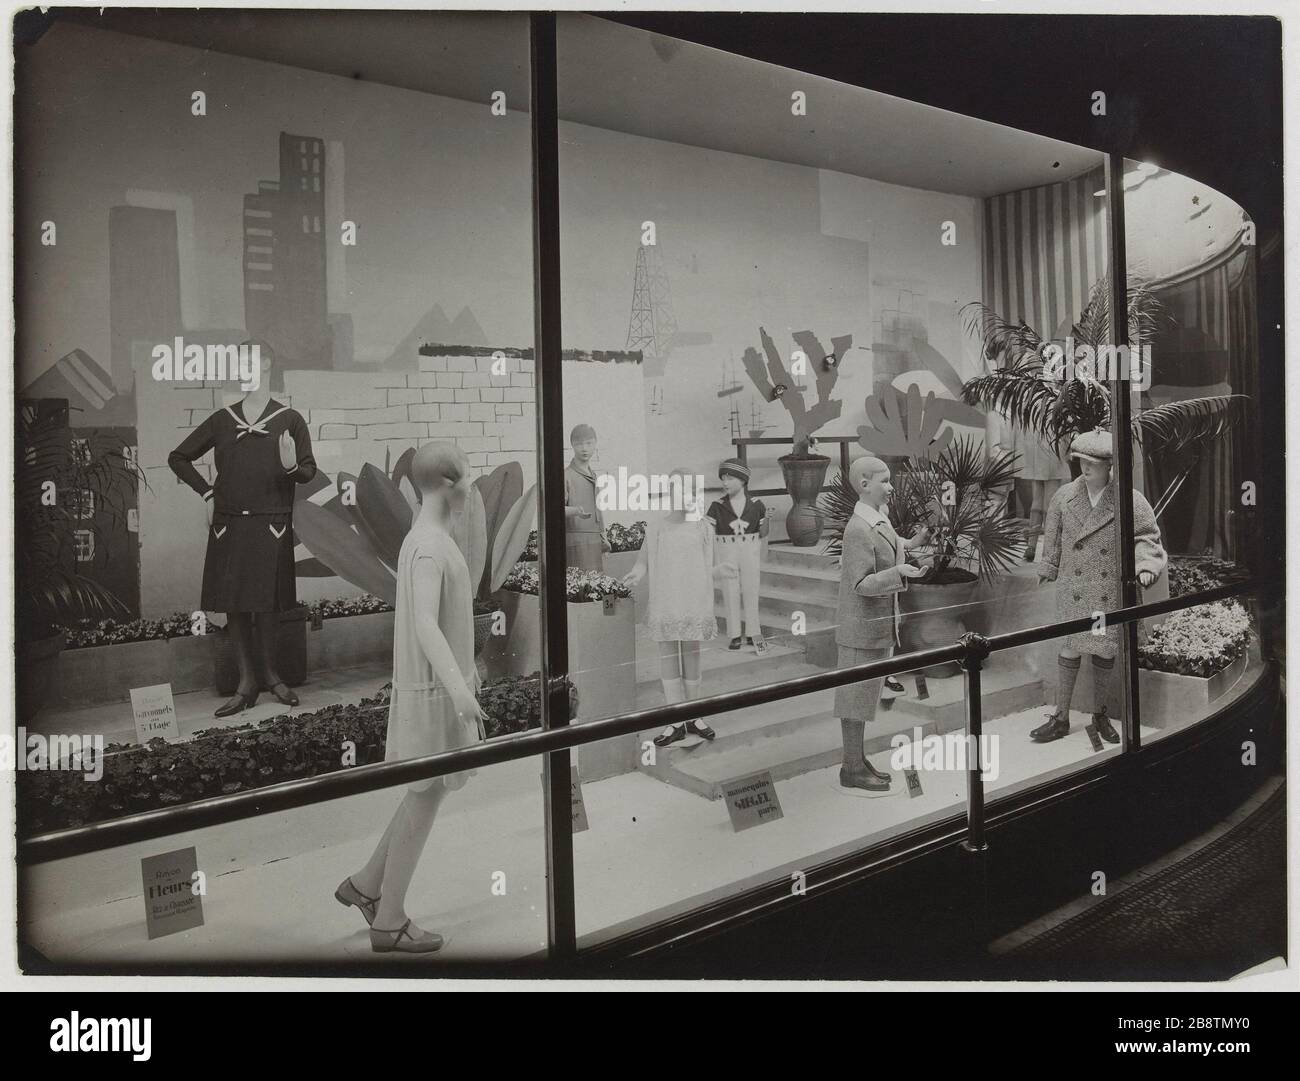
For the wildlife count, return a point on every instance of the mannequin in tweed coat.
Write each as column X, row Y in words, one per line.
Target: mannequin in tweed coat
column 1079, row 539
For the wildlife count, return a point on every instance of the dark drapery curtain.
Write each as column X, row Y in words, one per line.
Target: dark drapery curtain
column 1207, row 344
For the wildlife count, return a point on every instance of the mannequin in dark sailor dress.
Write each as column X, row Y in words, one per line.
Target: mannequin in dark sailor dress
column 262, row 450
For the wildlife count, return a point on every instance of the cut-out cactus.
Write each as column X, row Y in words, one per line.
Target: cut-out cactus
column 775, row 381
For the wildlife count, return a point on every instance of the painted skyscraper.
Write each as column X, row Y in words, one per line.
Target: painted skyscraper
column 285, row 292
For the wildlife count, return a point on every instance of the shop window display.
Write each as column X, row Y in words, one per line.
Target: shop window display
column 818, row 415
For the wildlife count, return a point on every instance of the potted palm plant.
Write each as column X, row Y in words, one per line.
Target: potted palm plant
column 804, row 469
column 1025, row 384
column 959, row 495
column 55, row 482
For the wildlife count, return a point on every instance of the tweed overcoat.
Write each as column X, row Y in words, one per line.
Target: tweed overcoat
column 869, row 578
column 1079, row 556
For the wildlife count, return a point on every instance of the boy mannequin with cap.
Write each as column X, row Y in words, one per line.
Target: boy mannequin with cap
column 739, row 524
column 1079, row 556
column 873, row 570
column 585, row 543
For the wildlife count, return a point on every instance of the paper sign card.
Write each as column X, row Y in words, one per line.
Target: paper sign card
column 913, row 783
column 579, row 808
column 752, row 801
column 155, row 713
column 611, row 606
column 170, row 903
column 1094, row 736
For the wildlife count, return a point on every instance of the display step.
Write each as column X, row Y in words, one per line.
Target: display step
column 1002, row 691
column 799, row 735
column 722, row 670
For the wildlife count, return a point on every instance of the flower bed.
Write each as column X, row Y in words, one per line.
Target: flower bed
column 112, row 632
column 581, row 586
column 219, row 761
column 602, row 653
column 625, row 538
column 621, row 538
column 1200, row 641
column 1195, row 574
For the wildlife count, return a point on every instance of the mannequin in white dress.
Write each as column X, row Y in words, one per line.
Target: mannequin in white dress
column 433, row 706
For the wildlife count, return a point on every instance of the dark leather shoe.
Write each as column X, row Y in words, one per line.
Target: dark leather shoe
column 283, row 694
column 237, row 704
column 879, row 775
column 867, row 782
column 893, row 686
column 668, row 736
column 1104, row 728
column 1056, row 727
column 699, row 728
column 735, row 644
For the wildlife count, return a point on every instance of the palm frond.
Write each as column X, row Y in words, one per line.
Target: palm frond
column 1016, row 391
column 1004, row 342
column 1176, row 427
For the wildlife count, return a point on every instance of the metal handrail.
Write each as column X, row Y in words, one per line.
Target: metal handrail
column 287, row 795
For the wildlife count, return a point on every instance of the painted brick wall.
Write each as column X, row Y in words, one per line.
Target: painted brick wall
column 355, row 417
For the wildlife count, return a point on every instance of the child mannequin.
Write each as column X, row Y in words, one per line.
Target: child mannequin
column 433, row 707
column 874, row 568
column 739, row 524
column 585, row 544
column 678, row 556
column 1078, row 541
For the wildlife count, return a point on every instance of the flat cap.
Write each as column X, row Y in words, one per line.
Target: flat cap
column 1094, row 445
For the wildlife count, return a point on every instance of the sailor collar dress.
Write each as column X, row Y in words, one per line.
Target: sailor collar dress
column 249, row 564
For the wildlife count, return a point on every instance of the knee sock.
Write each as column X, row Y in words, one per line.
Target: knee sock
column 1067, row 673
column 1102, row 670
column 852, row 731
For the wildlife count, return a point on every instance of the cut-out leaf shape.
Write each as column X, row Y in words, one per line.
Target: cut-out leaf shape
column 347, row 499
column 500, row 489
column 403, row 468
column 469, row 531
column 512, row 537
column 902, row 425
column 345, row 552
column 385, row 511
column 408, row 493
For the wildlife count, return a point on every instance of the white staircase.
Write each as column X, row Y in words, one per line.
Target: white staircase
column 802, row 734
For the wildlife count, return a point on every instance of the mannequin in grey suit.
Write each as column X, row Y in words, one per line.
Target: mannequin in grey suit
column 873, row 570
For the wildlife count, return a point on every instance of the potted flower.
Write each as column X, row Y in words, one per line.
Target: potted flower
column 804, row 469
column 1193, row 657
column 56, row 484
column 602, row 652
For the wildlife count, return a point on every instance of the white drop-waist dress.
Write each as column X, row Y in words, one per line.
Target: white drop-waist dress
column 421, row 717
column 679, row 560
